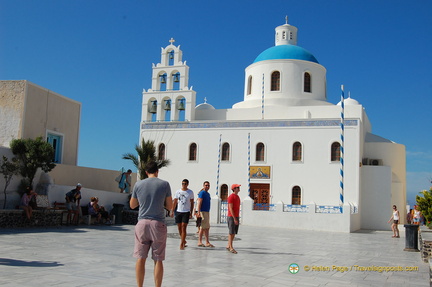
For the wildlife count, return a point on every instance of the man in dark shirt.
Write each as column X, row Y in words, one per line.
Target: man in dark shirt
column 73, row 198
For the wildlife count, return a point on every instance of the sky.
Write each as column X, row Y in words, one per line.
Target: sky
column 100, row 53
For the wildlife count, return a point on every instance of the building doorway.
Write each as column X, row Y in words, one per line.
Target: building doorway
column 260, row 193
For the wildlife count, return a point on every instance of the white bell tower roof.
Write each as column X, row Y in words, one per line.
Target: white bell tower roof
column 286, row 34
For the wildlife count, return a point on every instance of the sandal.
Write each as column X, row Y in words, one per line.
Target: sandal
column 233, row 251
column 209, row 245
column 201, row 245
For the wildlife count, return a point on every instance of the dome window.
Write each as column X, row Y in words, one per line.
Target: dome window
column 249, row 85
column 307, row 83
column 275, row 81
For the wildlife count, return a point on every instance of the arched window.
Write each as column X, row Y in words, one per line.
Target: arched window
column 259, row 156
column 275, row 81
column 297, row 151
column 162, row 80
column 193, row 152
column 161, row 151
column 176, row 81
column 171, row 58
column 225, row 151
column 307, row 83
column 224, row 192
column 335, row 151
column 152, row 110
column 296, row 195
column 167, row 109
column 249, row 85
column 181, row 108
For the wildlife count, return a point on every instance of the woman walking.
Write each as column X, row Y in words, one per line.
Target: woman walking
column 395, row 217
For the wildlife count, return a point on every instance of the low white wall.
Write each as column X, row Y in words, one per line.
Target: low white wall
column 98, row 182
column 341, row 222
column 100, row 179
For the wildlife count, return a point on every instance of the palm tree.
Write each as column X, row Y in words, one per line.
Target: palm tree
column 146, row 153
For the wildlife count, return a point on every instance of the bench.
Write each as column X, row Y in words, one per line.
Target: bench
column 86, row 217
column 89, row 219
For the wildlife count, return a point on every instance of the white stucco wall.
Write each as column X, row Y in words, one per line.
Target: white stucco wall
column 317, row 176
column 311, row 220
column 375, row 205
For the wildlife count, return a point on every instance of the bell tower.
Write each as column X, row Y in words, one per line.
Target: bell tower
column 286, row 34
column 170, row 98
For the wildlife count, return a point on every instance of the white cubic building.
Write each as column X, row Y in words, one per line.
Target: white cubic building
column 282, row 143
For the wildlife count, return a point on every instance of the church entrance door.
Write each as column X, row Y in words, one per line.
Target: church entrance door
column 260, row 193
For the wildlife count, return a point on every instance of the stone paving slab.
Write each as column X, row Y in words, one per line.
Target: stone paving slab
column 102, row 256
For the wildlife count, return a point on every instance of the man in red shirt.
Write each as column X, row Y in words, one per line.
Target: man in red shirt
column 233, row 216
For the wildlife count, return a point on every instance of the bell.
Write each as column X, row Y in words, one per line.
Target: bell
column 177, row 77
column 153, row 107
column 163, row 79
column 181, row 106
column 171, row 55
column 167, row 105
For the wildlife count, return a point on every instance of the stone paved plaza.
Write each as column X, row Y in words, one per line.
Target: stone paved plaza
column 102, row 256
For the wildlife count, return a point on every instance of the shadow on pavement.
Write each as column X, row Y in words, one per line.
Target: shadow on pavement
column 23, row 263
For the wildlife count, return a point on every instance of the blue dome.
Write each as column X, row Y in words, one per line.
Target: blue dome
column 286, row 52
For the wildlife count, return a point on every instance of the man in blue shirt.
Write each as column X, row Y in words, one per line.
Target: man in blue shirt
column 203, row 211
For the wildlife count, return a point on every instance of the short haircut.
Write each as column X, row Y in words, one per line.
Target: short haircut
column 151, row 167
column 206, row 182
column 185, row 180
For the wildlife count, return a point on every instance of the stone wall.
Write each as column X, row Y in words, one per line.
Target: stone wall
column 12, row 218
column 425, row 242
column 129, row 217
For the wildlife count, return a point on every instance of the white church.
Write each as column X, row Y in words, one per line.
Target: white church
column 302, row 162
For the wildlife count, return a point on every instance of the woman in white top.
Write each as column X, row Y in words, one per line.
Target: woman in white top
column 395, row 217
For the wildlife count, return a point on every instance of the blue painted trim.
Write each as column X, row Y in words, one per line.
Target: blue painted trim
column 249, row 124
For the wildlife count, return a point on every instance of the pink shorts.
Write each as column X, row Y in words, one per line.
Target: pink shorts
column 150, row 233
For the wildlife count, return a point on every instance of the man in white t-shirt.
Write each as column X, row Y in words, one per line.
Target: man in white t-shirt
column 183, row 205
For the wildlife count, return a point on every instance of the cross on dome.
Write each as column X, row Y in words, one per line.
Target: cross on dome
column 286, row 19
column 171, row 41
